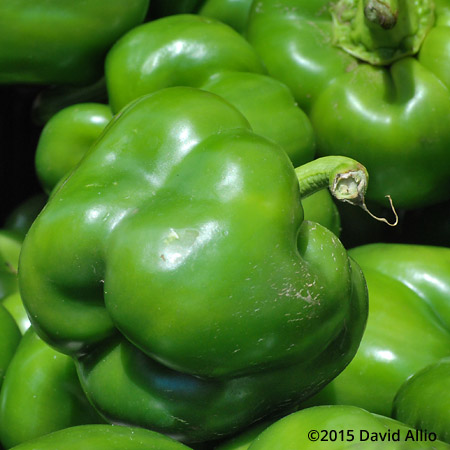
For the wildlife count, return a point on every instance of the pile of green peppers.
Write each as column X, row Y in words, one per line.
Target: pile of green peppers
column 225, row 224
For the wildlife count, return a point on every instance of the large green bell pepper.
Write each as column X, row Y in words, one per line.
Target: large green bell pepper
column 49, row 41
column 392, row 118
column 408, row 326
column 175, row 266
column 41, row 393
column 102, row 437
column 423, row 400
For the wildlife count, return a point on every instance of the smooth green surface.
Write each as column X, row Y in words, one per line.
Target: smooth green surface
column 187, row 238
column 408, row 326
column 320, row 208
column 340, row 427
column 65, row 139
column 423, row 400
column 102, row 437
column 392, row 119
column 41, row 394
column 54, row 42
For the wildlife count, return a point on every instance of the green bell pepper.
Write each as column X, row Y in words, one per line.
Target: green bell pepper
column 391, row 115
column 408, row 326
column 343, row 427
column 174, row 265
column 41, row 393
column 423, row 400
column 49, row 41
column 189, row 50
column 65, row 139
column 102, row 437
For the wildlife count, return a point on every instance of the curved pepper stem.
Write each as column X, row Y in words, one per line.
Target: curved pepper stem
column 346, row 179
column 381, row 12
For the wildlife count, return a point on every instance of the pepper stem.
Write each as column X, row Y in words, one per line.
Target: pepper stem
column 346, row 179
column 381, row 12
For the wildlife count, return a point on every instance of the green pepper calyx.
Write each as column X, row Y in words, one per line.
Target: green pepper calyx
column 346, row 179
column 381, row 31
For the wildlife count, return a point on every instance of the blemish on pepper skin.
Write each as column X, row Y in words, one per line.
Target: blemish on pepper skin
column 162, row 257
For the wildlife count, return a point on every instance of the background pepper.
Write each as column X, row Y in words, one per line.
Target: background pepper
column 392, row 119
column 61, row 42
column 188, row 50
column 41, row 394
column 408, row 326
column 102, row 437
column 66, row 138
column 422, row 401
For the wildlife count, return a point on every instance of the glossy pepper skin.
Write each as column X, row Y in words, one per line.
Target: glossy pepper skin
column 392, row 118
column 423, row 400
column 102, row 437
column 53, row 42
column 408, row 326
column 341, row 427
column 65, row 139
column 41, row 394
column 171, row 258
column 189, row 50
